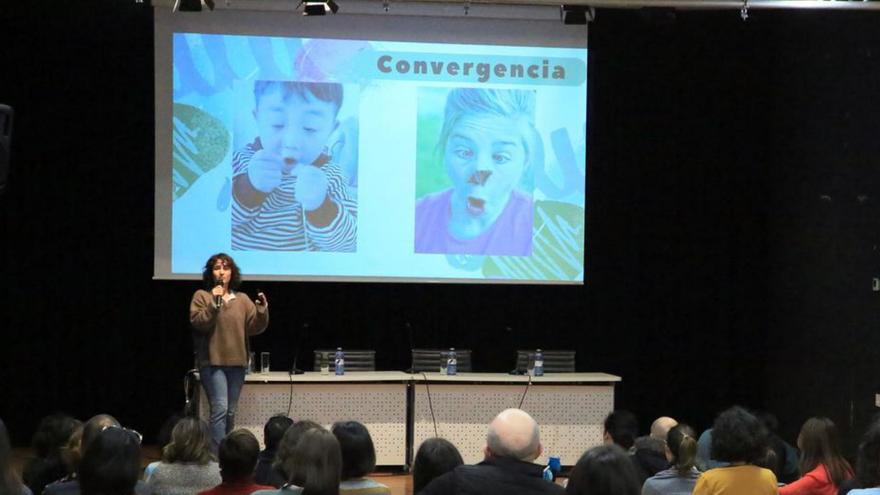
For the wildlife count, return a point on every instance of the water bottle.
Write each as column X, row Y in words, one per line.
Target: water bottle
column 554, row 465
column 339, row 361
column 539, row 363
column 451, row 362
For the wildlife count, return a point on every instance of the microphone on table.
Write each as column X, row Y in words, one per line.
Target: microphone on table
column 218, row 299
column 293, row 369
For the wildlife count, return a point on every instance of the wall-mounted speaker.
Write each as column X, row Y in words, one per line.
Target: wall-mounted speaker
column 5, row 143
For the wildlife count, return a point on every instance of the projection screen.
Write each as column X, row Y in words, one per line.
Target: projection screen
column 428, row 143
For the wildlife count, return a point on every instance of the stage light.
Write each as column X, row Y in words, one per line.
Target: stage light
column 576, row 14
column 319, row 7
column 192, row 5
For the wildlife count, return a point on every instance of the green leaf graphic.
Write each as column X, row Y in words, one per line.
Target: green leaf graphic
column 200, row 141
column 557, row 247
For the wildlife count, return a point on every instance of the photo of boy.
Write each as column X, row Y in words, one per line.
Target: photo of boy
column 487, row 142
column 288, row 192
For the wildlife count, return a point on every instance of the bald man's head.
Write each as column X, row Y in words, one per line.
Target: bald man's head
column 513, row 433
column 661, row 426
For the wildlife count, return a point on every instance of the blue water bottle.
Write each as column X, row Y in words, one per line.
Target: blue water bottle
column 451, row 362
column 539, row 363
column 339, row 361
column 554, row 465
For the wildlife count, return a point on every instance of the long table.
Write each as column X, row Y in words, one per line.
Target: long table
column 400, row 409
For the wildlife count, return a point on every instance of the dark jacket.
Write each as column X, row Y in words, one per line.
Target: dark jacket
column 264, row 473
column 494, row 476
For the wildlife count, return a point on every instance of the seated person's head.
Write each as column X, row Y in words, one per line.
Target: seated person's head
column 274, row 430
column 93, row 427
column 238, row 455
column 738, row 436
column 868, row 461
column 487, row 140
column 819, row 443
column 111, row 463
column 661, row 426
column 514, row 434
column 288, row 443
column 53, row 433
column 435, row 456
column 621, row 428
column 71, row 453
column 604, row 470
column 358, row 452
column 316, row 463
column 681, row 447
column 296, row 119
column 190, row 442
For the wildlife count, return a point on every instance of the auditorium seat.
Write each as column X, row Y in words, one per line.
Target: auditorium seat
column 429, row 360
column 554, row 361
column 355, row 360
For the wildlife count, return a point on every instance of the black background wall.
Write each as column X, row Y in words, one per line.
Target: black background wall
column 733, row 173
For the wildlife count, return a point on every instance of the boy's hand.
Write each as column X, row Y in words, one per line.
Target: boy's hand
column 264, row 171
column 311, row 186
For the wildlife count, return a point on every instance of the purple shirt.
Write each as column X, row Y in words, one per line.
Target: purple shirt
column 510, row 235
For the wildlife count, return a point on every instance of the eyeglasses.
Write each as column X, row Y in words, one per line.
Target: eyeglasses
column 136, row 434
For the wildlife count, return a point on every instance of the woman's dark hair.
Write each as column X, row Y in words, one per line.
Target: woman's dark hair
column 820, row 445
column 738, row 436
column 868, row 462
column 111, row 464
column 274, row 430
column 682, row 442
column 358, row 453
column 189, row 442
column 9, row 482
column 52, row 434
column 288, row 444
column 208, row 271
column 315, row 463
column 604, row 470
column 238, row 454
column 436, row 456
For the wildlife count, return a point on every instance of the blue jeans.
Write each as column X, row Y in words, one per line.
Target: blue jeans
column 223, row 387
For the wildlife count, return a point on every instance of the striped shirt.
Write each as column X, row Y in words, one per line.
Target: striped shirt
column 276, row 222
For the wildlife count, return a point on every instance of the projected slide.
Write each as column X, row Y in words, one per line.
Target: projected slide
column 375, row 160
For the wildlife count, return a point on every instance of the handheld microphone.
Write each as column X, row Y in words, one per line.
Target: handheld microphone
column 218, row 299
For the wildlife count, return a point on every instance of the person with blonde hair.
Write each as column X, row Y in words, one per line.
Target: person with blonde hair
column 188, row 466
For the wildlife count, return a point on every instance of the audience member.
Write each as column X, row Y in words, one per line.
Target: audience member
column 69, row 485
column 314, row 464
column 513, row 442
column 51, row 436
column 622, row 429
column 111, row 463
column 238, row 454
column 187, row 465
column 786, row 466
column 603, row 470
column 273, row 432
column 9, row 482
column 681, row 451
column 162, row 438
column 650, row 451
column 435, row 456
column 358, row 459
column 705, row 461
column 738, row 438
column 278, row 476
column 867, row 480
column 822, row 465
